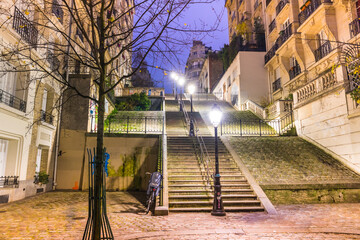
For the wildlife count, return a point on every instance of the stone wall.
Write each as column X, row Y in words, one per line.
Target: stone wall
column 327, row 122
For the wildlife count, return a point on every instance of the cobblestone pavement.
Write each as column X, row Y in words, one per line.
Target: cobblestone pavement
column 62, row 215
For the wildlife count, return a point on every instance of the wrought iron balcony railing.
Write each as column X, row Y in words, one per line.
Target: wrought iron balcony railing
column 58, row 11
column 284, row 35
column 272, row 25
column 12, row 101
column 354, row 27
column 276, row 85
column 294, row 71
column 323, row 50
column 25, row 28
column 9, row 181
column 46, row 117
column 281, row 5
column 308, row 10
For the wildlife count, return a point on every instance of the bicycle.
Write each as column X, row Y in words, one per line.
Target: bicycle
column 153, row 190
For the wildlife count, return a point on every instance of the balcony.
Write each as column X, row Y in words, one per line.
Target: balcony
column 276, row 85
column 272, row 26
column 294, row 71
column 25, row 28
column 46, row 117
column 323, row 50
column 354, row 27
column 315, row 87
column 307, row 9
column 58, row 11
column 281, row 5
column 284, row 35
column 12, row 101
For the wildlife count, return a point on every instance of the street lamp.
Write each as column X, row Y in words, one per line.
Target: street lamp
column 181, row 82
column 191, row 90
column 175, row 77
column 218, row 208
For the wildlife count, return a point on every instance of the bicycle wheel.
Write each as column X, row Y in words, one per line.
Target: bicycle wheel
column 150, row 202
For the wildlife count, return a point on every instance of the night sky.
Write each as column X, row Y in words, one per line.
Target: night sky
column 197, row 14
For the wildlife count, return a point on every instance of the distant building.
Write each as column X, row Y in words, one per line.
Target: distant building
column 195, row 62
column 211, row 72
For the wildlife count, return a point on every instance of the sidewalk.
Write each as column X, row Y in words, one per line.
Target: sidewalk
column 62, row 215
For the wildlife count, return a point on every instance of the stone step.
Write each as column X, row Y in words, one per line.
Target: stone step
column 209, row 209
column 223, row 181
column 209, row 196
column 209, row 191
column 209, row 203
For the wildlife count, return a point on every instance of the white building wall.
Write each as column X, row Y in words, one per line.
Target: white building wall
column 327, row 122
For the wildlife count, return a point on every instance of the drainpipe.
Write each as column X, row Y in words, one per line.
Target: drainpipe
column 60, row 107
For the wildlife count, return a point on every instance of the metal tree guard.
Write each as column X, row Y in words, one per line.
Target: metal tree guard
column 106, row 232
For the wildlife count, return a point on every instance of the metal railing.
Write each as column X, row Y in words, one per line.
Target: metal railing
column 284, row 35
column 276, row 85
column 12, row 101
column 294, row 71
column 203, row 154
column 257, row 127
column 306, row 13
column 58, row 11
column 354, row 27
column 281, row 5
column 25, row 28
column 139, row 125
column 9, row 181
column 272, row 25
column 159, row 168
column 323, row 50
column 46, row 117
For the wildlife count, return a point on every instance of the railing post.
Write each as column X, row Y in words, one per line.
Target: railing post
column 109, row 123
column 260, row 126
column 240, row 128
column 221, row 130
column 127, row 125
column 145, row 124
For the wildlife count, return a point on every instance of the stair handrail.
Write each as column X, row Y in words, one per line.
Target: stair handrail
column 204, row 155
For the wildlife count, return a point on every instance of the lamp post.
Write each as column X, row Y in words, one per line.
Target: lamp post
column 191, row 90
column 218, row 208
column 181, row 82
column 175, row 77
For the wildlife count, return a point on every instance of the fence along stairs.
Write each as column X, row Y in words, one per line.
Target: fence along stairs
column 190, row 161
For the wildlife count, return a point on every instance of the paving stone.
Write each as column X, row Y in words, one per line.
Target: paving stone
column 63, row 215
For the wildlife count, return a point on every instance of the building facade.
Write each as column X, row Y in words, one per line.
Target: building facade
column 211, row 72
column 195, row 62
column 308, row 61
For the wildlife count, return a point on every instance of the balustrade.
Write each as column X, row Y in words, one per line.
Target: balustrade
column 25, row 28
column 46, row 117
column 309, row 7
column 294, row 71
column 12, row 101
column 323, row 50
column 281, row 5
column 272, row 26
column 276, row 85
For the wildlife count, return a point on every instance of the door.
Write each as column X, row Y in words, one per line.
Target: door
column 3, row 155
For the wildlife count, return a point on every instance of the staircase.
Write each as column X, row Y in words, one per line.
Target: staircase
column 188, row 189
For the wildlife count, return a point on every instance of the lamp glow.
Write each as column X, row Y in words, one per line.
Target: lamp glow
column 181, row 81
column 215, row 115
column 174, row 76
column 191, row 88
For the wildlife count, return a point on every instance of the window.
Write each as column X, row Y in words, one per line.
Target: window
column 3, row 155
column 293, row 62
column 322, row 37
column 7, row 79
column 358, row 8
column 285, row 24
column 38, row 160
column 44, row 101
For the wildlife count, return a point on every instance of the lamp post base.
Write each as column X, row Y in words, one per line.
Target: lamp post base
column 218, row 208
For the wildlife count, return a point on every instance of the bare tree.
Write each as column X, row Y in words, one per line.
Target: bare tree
column 97, row 37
